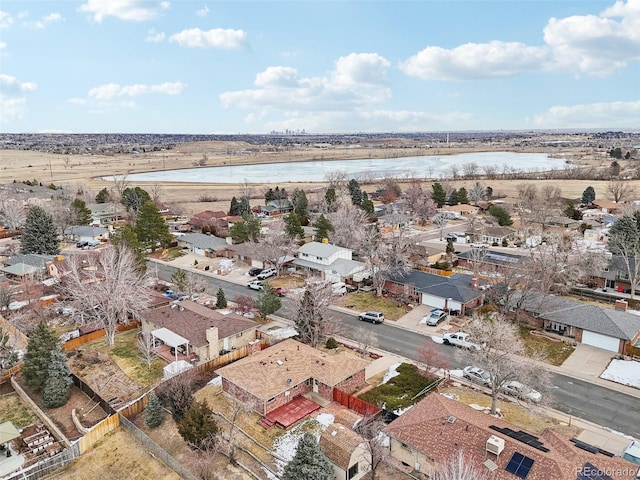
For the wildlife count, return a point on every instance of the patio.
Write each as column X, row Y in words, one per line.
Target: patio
column 167, row 353
column 289, row 414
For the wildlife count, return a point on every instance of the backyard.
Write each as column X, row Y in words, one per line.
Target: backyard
column 364, row 301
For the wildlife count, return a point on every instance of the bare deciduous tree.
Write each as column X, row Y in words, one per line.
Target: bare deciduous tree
column 384, row 256
column 503, row 355
column 314, row 320
column 349, row 226
column 419, row 203
column 470, row 170
column 107, row 287
column 619, row 190
column 440, row 221
column 336, row 179
column 275, row 245
column 477, row 193
column 146, row 345
column 366, row 338
column 120, row 183
column 12, row 213
column 376, row 443
column 459, row 467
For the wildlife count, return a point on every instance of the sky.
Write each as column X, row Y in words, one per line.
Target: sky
column 330, row 66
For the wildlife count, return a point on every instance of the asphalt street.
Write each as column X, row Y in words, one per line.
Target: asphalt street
column 603, row 406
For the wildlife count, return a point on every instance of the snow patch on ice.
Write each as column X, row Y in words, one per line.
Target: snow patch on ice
column 456, row 373
column 437, row 339
column 392, row 372
column 217, row 381
column 626, row 372
column 325, row 419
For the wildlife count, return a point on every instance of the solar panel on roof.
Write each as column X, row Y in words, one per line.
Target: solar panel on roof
column 519, row 465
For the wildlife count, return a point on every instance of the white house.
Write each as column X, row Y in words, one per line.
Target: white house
column 331, row 262
column 346, row 451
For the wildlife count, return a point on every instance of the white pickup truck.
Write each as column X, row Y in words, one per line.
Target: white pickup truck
column 460, row 339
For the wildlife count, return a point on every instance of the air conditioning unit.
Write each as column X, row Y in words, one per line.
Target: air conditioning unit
column 495, row 445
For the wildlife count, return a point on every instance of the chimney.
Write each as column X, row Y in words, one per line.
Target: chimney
column 621, row 305
column 253, row 347
column 474, row 283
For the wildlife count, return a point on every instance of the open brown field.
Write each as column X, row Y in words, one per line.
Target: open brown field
column 83, row 171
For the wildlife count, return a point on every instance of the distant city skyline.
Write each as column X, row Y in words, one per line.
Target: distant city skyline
column 257, row 67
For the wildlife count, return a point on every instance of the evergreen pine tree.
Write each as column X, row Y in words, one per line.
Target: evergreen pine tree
column 463, row 197
column 234, row 207
column 221, row 300
column 331, row 199
column 126, row 237
column 39, row 234
column 135, row 198
column 588, row 196
column 355, row 191
column 244, row 207
column 57, row 388
column 453, row 197
column 309, row 463
column 367, row 206
column 198, row 427
column 323, row 227
column 102, row 196
column 268, row 301
column 153, row 415
column 151, row 228
column 81, row 214
column 253, row 226
column 300, row 203
column 239, row 232
column 438, row 194
column 269, row 195
column 293, row 226
column 36, row 360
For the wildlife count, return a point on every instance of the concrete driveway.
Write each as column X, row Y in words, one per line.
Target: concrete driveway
column 587, row 360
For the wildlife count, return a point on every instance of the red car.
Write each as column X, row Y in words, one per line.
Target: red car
column 281, row 292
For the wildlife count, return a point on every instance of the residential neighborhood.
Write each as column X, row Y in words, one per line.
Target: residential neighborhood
column 329, row 316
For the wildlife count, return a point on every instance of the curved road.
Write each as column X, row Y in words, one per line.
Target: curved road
column 609, row 408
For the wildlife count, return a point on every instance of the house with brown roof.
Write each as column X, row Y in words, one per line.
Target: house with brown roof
column 462, row 210
column 431, row 432
column 206, row 218
column 346, row 450
column 277, row 375
column 199, row 330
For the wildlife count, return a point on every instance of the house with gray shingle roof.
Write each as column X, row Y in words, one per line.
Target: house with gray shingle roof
column 202, row 244
column 86, row 233
column 328, row 261
column 595, row 325
column 346, row 451
column 448, row 292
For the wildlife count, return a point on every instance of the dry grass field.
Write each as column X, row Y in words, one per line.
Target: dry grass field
column 84, row 171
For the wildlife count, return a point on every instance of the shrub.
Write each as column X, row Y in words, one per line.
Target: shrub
column 332, row 343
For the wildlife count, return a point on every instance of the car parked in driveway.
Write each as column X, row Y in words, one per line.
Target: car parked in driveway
column 434, row 318
column 372, row 317
column 521, row 391
column 281, row 292
column 477, row 375
column 253, row 271
column 256, row 285
column 269, row 272
column 460, row 339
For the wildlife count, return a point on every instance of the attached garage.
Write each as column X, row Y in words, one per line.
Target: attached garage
column 601, row 341
column 439, row 302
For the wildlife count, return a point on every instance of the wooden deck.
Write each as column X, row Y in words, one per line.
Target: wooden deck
column 290, row 414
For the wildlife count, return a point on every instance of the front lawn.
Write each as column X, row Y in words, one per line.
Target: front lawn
column 399, row 391
column 365, row 301
column 556, row 351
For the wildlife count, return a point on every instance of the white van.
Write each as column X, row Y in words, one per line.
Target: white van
column 339, row 288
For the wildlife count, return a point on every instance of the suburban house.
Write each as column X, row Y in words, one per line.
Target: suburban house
column 197, row 332
column 461, row 210
column 456, row 293
column 106, row 213
column 27, row 265
column 495, row 235
column 393, row 221
column 602, row 327
column 346, row 451
column 433, row 432
column 202, row 244
column 207, row 218
column 608, row 206
column 84, row 233
column 279, row 374
column 486, row 260
column 423, row 255
column 327, row 261
column 616, row 275
column 277, row 207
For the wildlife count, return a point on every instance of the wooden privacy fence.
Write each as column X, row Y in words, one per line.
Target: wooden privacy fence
column 99, row 430
column 356, row 404
column 10, row 372
column 13, row 330
column 90, row 337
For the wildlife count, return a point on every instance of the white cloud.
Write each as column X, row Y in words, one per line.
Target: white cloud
column 129, row 10
column 595, row 115
column 113, row 90
column 12, row 97
column 475, row 61
column 45, row 21
column 203, row 12
column 3, row 45
column 153, row 36
column 5, row 19
column 596, row 45
column 357, row 80
column 215, row 38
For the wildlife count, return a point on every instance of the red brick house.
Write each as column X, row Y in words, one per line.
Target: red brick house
column 275, row 376
column 432, row 432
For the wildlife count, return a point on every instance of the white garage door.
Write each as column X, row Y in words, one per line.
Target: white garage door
column 439, row 302
column 600, row 341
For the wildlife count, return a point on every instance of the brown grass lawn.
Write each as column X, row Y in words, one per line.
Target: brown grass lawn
column 118, row 455
column 522, row 416
column 287, row 281
column 556, row 352
column 363, row 301
column 13, row 410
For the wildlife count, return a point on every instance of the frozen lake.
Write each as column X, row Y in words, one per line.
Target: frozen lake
column 316, row 171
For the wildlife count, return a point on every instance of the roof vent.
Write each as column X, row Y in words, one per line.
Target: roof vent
column 495, row 445
column 279, row 362
column 288, row 381
column 451, row 419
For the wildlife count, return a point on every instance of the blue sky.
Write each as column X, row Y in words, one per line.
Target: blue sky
column 131, row 66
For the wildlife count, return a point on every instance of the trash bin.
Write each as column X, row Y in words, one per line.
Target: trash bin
column 619, row 289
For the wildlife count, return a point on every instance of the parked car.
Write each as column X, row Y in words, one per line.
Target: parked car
column 82, row 244
column 281, row 292
column 632, row 453
column 460, row 339
column 256, row 285
column 521, row 391
column 373, row 317
column 434, row 318
column 339, row 288
column 477, row 375
column 269, row 272
column 253, row 271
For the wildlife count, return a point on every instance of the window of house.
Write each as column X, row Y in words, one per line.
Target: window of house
column 271, row 399
column 623, row 275
column 239, row 334
column 404, row 445
column 353, row 471
column 308, row 382
column 349, row 377
column 295, row 386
